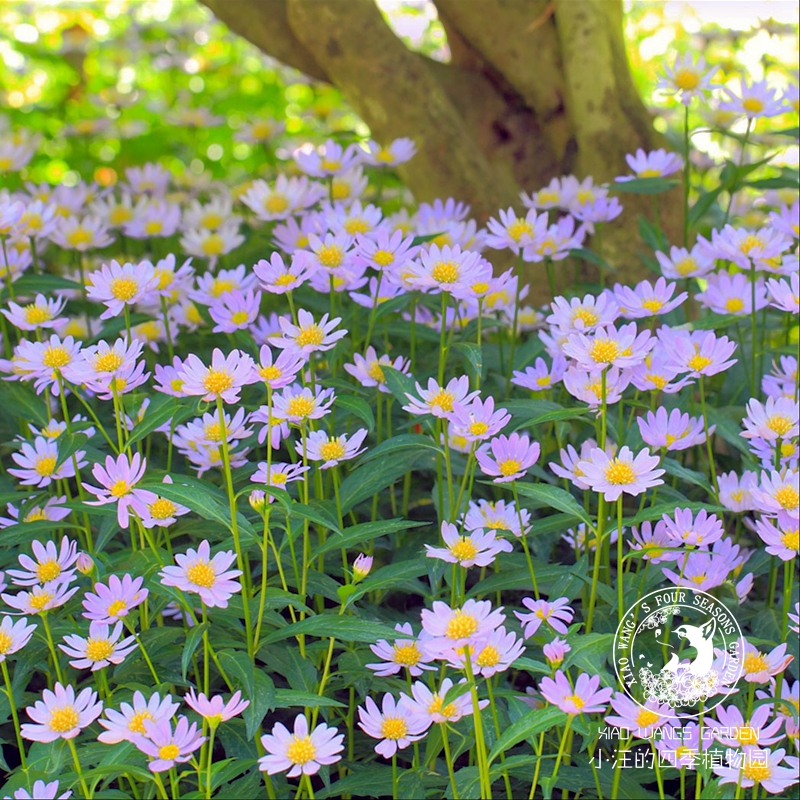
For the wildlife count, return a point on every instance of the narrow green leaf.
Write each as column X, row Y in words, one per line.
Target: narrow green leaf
column 673, row 467
column 404, row 442
column 261, row 702
column 526, row 727
column 357, row 407
column 288, row 698
column 193, row 638
column 344, row 629
column 644, row 186
column 158, row 413
column 473, row 355
column 364, row 532
column 554, row 497
column 372, row 478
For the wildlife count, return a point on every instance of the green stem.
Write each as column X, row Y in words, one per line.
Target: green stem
column 53, row 652
column 77, row 761
column 561, row 749
column 480, row 741
column 686, row 177
column 709, row 448
column 14, row 716
column 620, row 588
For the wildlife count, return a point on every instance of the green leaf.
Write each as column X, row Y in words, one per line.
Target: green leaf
column 651, row 234
column 364, row 532
column 404, row 442
column 318, row 514
column 262, row 701
column 344, row 629
column 716, row 322
column 288, row 698
column 588, row 255
column 31, row 284
column 393, row 574
column 473, row 355
column 703, row 204
column 19, row 402
column 590, row 652
column 727, row 428
column 526, row 727
column 554, row 497
column 400, row 384
column 159, row 412
column 357, row 407
column 425, row 237
column 656, row 512
column 654, row 185
column 193, row 639
column 673, row 467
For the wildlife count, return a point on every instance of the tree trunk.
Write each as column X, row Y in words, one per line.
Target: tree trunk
column 535, row 89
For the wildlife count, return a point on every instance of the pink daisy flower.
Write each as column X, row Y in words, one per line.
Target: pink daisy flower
column 625, row 473
column 406, row 653
column 731, row 294
column 655, row 164
column 780, row 535
column 214, row 709
column 456, row 627
column 430, row 708
column 384, row 249
column 647, row 300
column 362, row 566
column 38, row 463
column 489, row 655
column 235, row 311
column 555, row 651
column 127, row 724
column 479, row 420
column 279, row 475
column 49, row 562
column 224, row 379
column 754, row 100
column 583, row 315
column 641, row 722
column 209, row 577
column 441, row 401
column 298, row 404
column 443, row 269
column 14, row 635
column 557, row 614
column 397, row 152
column 752, row 765
column 701, row 353
column 41, row 791
column 330, row 159
column 735, row 492
column 540, row 376
column 40, row 314
column 673, row 430
column 684, row 528
column 778, row 491
column 498, row 516
column 101, row 648
column 331, row 450
column 785, row 295
column 279, row 372
column 507, row 457
column 609, row 346
column 117, row 285
column 738, row 732
column 776, row 419
column 276, row 278
column 41, row 598
column 308, row 336
column 165, row 747
column 394, row 723
column 479, row 548
column 301, row 752
column 117, row 481
column 585, row 698
column 111, row 602
column 60, row 714
column 368, row 369
column 760, row 667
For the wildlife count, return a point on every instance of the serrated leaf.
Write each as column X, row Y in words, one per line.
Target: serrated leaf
column 526, row 727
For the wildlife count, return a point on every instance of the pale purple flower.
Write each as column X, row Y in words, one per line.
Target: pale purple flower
column 41, row 598
column 214, row 709
column 223, row 379
column 540, row 376
column 647, row 299
column 101, row 648
column 674, row 431
column 784, row 295
column 512, row 232
column 510, row 458
column 38, row 463
column 585, row 698
column 760, row 667
column 684, row 528
column 683, row 264
column 752, row 765
column 780, row 535
column 209, row 577
column 368, row 369
column 210, row 286
column 111, row 602
column 279, row 372
column 40, row 791
column 234, row 311
column 731, row 294
column 444, row 269
column 687, row 78
column 386, row 250
column 300, row 751
column 778, row 491
column 609, row 346
column 165, row 747
column 455, row 627
column 308, row 336
column 555, row 650
column 624, row 473
column 753, row 100
column 776, row 419
column 117, row 285
column 490, row 654
column 429, row 706
column 331, row 450
column 279, row 475
column 361, row 566
column 441, row 401
column 14, row 635
column 555, row 241
column 654, row 164
column 117, row 485
column 42, row 313
column 479, row 420
column 583, row 315
column 409, row 653
column 127, row 724
column 329, row 159
column 735, row 492
column 479, row 548
column 738, row 732
column 557, row 614
column 49, row 563
column 394, row 723
column 587, row 385
column 60, row 714
column 398, row 151
column 640, row 721
column 654, row 542
column 276, row 278
column 598, row 210
column 298, row 404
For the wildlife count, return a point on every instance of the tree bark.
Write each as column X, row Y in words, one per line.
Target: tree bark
column 535, row 89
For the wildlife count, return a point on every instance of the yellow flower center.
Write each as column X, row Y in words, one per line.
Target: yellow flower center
column 687, row 80
column 753, row 105
column 211, row 220
column 464, row 549
column 153, row 227
column 519, row 228
column 5, row 643
column 779, row 424
column 341, row 189
column 683, row 753
column 330, row 164
column 330, row 256
column 332, row 450
column 261, row 130
column 788, row 497
column 120, row 489
column 376, row 372
column 576, row 701
column 221, row 285
column 746, row 735
column 39, row 601
column 756, row 772
column 478, row 428
column 650, row 173
column 213, row 245
column 63, row 719
column 37, row 515
column 509, row 467
column 36, row 315
column 98, row 649
column 108, row 362
column 394, row 728
column 301, row 751
column 284, row 280
column 461, row 626
column 788, row 449
column 445, row 272
column 124, row 288
column 444, row 400
column 276, row 203
column 734, row 305
column 791, row 539
column 489, row 657
column 620, row 472
column 240, row 317
column 407, row 655
column 162, row 508
column 169, row 752
column 120, row 214
column 79, row 237
column 604, row 351
column 48, row 571
column 312, row 335
column 480, row 288
column 270, row 373
column 300, row 406
column 646, row 718
column 217, row 381
column 201, row 574
column 357, row 225
column 755, row 662
column 116, row 608
column 55, row 357
column 383, row 258
column 435, row 707
column 136, row 725
column 279, row 478
column 749, row 243
column 698, row 362
column 45, row 466
column 653, row 306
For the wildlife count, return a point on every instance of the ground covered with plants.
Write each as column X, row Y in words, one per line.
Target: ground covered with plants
column 305, row 494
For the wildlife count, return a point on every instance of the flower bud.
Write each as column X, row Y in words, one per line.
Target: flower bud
column 84, row 563
column 361, row 567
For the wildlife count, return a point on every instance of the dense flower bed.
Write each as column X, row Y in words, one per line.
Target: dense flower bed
column 361, row 517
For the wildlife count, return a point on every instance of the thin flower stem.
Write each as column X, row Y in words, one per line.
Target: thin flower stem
column 442, row 339
column 524, row 538
column 709, row 449
column 620, row 563
column 539, row 750
column 741, row 161
column 514, row 324
column 94, row 418
column 480, row 742
column 53, row 652
column 601, row 519
column 147, row 659
column 210, row 760
column 226, row 461
column 77, row 761
column 394, row 776
column 168, row 333
column 372, row 313
column 496, row 721
column 448, row 759
column 753, row 330
column 14, row 715
column 449, row 470
column 687, row 170
column 561, row 749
